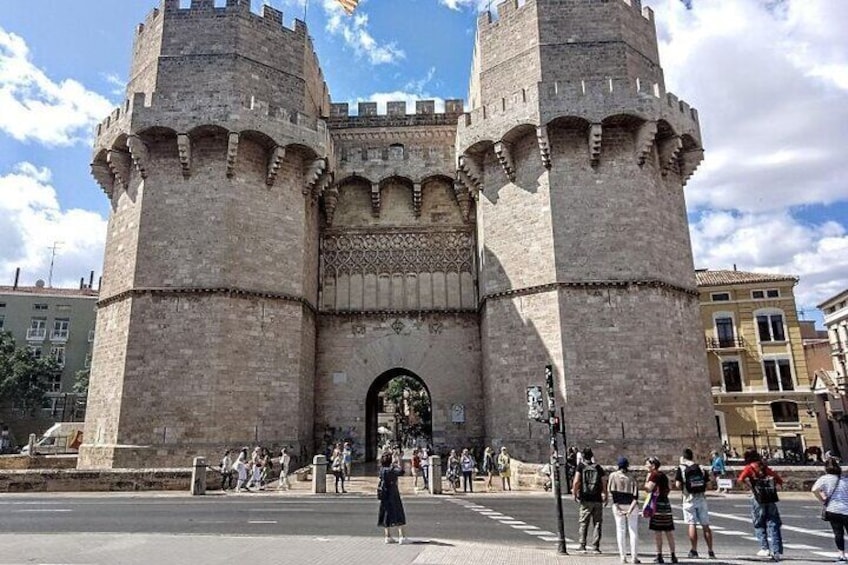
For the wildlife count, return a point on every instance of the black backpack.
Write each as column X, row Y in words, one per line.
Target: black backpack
column 590, row 481
column 765, row 489
column 694, row 479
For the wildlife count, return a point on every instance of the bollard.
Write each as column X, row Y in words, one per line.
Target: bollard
column 435, row 474
column 198, row 477
column 319, row 474
column 31, row 445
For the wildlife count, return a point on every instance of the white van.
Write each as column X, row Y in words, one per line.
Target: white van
column 61, row 437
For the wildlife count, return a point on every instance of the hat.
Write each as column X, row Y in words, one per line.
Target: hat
column 623, row 463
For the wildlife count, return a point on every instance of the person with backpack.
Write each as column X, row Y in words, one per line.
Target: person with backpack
column 832, row 492
column 763, row 484
column 692, row 480
column 590, row 491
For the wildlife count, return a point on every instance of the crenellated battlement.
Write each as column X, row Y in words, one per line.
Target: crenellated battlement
column 396, row 114
column 508, row 8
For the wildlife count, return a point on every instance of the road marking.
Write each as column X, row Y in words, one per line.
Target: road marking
column 44, row 510
column 548, row 538
column 732, row 533
column 261, row 521
column 817, row 533
column 525, row 527
column 831, row 554
column 511, row 522
column 541, row 533
column 800, row 546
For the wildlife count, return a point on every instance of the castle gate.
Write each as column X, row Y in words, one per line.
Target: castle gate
column 379, row 425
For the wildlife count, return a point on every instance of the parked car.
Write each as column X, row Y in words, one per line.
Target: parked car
column 61, row 437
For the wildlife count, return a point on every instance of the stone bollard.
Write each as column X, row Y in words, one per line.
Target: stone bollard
column 319, row 474
column 198, row 477
column 435, row 474
column 31, row 445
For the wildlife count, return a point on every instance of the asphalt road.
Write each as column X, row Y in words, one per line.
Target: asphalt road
column 516, row 520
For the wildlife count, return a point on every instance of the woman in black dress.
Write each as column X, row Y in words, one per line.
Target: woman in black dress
column 391, row 508
column 662, row 520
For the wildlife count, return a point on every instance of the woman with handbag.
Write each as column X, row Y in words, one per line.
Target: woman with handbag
column 832, row 492
column 661, row 520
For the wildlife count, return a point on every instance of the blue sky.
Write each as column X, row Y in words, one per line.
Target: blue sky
column 770, row 81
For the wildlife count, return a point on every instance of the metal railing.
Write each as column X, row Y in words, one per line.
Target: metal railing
column 725, row 343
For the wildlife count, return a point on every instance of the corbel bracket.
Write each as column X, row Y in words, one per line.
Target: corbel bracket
column 275, row 161
column 119, row 164
column 232, row 153
column 595, row 139
column 503, row 151
column 139, row 153
column 544, row 145
column 645, row 141
column 184, row 152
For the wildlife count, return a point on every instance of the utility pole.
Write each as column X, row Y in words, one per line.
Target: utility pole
column 56, row 245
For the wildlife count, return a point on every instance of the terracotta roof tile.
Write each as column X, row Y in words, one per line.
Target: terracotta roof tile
column 721, row 278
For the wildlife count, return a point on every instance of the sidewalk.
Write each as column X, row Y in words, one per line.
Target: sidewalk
column 143, row 549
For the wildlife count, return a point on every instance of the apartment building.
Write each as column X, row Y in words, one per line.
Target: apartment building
column 57, row 322
column 830, row 383
column 758, row 372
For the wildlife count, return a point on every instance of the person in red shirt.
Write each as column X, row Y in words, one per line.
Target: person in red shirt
column 763, row 483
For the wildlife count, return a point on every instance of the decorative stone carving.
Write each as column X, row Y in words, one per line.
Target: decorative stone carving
column 669, row 151
column 103, row 175
column 232, row 153
column 139, row 154
column 313, row 175
column 689, row 163
column 119, row 164
column 544, row 145
column 503, row 151
column 436, row 327
column 398, row 326
column 358, row 328
column 331, row 199
column 398, row 252
column 645, row 141
column 184, row 152
column 463, row 198
column 595, row 138
column 471, row 169
column 416, row 199
column 275, row 161
column 375, row 199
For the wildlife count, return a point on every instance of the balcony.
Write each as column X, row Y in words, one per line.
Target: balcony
column 36, row 334
column 60, row 336
column 725, row 343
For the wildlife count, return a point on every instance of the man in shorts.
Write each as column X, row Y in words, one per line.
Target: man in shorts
column 692, row 480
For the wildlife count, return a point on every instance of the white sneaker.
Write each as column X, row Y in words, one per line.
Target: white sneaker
column 764, row 553
column 389, row 540
column 402, row 541
column 777, row 557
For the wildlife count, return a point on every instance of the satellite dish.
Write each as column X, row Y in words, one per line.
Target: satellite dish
column 39, row 283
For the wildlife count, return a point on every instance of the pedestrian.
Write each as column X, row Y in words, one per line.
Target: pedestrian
column 763, row 484
column 285, row 461
column 227, row 471
column 391, row 513
column 267, row 468
column 347, row 459
column 467, row 463
column 505, row 469
column 832, row 492
column 424, row 455
column 241, row 468
column 590, row 491
column 454, row 470
column 489, row 467
column 718, row 469
column 256, row 468
column 625, row 500
column 692, row 480
column 662, row 520
column 570, row 464
column 415, row 468
column 337, row 468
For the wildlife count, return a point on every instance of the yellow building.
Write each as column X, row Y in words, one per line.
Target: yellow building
column 761, row 389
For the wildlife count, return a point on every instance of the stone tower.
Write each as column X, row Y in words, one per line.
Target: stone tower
column 576, row 157
column 206, row 323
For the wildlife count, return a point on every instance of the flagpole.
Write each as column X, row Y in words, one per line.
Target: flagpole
column 305, row 9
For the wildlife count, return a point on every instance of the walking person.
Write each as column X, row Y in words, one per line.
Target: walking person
column 692, row 480
column 454, row 470
column 415, row 468
column 467, row 463
column 718, row 469
column 391, row 513
column 625, row 502
column 227, row 471
column 763, row 484
column 424, row 455
column 489, row 467
column 347, row 459
column 832, row 492
column 241, row 468
column 505, row 469
column 662, row 520
column 256, row 468
column 337, row 468
column 590, row 491
column 285, row 461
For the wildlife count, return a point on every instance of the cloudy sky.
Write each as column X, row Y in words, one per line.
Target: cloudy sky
column 769, row 78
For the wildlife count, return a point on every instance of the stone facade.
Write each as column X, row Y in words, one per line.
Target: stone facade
column 272, row 259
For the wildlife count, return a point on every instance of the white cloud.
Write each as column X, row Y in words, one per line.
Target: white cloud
column 476, row 4
column 381, row 98
column 39, row 109
column 31, row 220
column 354, row 31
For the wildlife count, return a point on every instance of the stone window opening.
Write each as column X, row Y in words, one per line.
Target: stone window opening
column 770, row 326
column 784, row 412
column 778, row 375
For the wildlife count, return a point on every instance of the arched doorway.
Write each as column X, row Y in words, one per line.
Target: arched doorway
column 398, row 402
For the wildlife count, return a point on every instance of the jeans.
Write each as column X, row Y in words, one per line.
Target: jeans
column 767, row 523
column 839, row 525
column 340, row 478
column 593, row 511
column 227, row 480
column 467, row 483
column 623, row 525
column 425, row 473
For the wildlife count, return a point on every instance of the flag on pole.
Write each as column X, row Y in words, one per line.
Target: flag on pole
column 348, row 5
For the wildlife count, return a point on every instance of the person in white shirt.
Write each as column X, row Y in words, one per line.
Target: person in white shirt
column 832, row 491
column 285, row 461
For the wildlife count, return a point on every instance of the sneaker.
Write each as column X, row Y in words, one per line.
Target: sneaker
column 711, row 554
column 389, row 540
column 636, row 560
column 673, row 558
column 624, row 560
column 764, row 553
column 402, row 541
column 659, row 559
column 841, row 559
column 582, row 549
column 777, row 557
column 693, row 554
column 596, row 550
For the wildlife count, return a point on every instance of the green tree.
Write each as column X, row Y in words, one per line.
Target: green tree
column 81, row 382
column 410, row 392
column 23, row 376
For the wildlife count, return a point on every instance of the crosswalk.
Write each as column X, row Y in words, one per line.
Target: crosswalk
column 545, row 535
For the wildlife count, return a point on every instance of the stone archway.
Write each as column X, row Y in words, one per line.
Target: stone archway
column 372, row 400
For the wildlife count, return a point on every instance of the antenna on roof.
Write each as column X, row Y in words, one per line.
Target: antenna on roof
column 56, row 245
